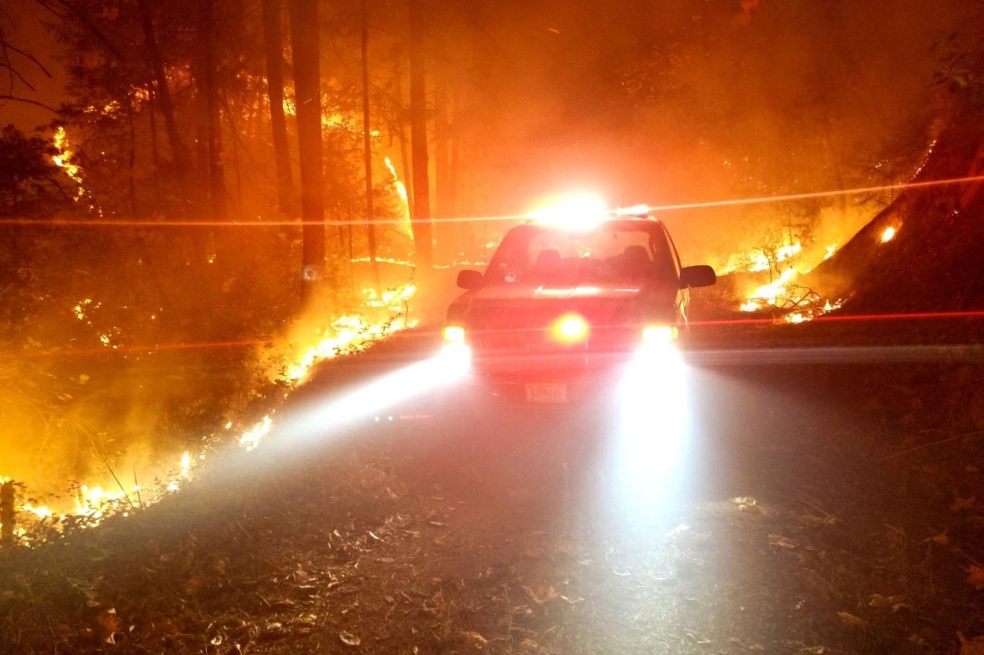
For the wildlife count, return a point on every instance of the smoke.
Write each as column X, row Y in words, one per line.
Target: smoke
column 672, row 102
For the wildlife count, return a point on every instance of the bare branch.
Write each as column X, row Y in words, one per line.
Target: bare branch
column 84, row 20
column 29, row 57
column 29, row 101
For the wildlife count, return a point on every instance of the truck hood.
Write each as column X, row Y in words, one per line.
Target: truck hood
column 514, row 306
column 517, row 292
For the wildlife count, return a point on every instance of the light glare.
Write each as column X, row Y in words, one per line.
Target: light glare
column 581, row 212
column 454, row 334
column 571, row 328
column 653, row 429
column 658, row 335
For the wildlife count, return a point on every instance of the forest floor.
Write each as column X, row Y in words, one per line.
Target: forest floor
column 827, row 504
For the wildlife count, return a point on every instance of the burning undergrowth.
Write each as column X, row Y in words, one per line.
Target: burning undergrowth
column 115, row 395
column 917, row 254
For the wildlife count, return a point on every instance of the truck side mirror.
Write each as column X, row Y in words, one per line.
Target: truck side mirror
column 697, row 276
column 469, row 279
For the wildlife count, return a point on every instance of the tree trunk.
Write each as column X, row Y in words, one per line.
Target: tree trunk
column 442, row 165
column 421, row 214
column 178, row 152
column 274, row 49
column 211, row 123
column 402, row 131
column 154, row 154
column 459, row 229
column 305, row 42
column 367, row 143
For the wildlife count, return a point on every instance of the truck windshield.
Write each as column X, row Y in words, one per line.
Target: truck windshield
column 611, row 254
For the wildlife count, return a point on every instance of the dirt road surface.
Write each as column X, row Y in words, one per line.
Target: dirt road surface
column 803, row 506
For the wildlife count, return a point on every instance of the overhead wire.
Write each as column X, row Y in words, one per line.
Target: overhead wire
column 653, row 209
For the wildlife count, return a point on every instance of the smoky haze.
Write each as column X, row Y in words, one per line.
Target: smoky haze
column 668, row 102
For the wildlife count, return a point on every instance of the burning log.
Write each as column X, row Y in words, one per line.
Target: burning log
column 7, row 514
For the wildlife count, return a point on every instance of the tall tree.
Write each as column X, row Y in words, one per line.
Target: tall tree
column 306, row 45
column 367, row 143
column 442, row 163
column 155, row 58
column 208, row 88
column 421, row 213
column 274, row 53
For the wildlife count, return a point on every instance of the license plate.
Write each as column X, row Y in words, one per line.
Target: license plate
column 546, row 393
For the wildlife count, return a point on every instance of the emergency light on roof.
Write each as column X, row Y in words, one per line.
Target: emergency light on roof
column 637, row 211
column 583, row 212
column 577, row 212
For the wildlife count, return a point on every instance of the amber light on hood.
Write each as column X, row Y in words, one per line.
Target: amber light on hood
column 571, row 329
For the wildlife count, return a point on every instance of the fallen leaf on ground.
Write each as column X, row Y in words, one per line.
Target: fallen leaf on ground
column 941, row 539
column 973, row 646
column 849, row 619
column 349, row 639
column 475, row 640
column 961, row 504
column 110, row 624
column 549, row 595
column 779, row 541
column 975, row 576
column 881, row 602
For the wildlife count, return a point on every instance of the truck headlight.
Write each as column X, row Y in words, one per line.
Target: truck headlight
column 659, row 335
column 454, row 334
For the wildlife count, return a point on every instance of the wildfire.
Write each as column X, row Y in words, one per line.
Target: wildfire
column 347, row 333
column 63, row 160
column 772, row 294
column 401, row 188
column 782, row 293
column 889, row 233
column 251, row 438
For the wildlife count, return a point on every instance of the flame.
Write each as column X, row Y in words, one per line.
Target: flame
column 772, row 294
column 347, row 333
column 352, row 331
column 781, row 292
column 889, row 233
column 401, row 188
column 786, row 252
column 251, row 438
column 63, row 160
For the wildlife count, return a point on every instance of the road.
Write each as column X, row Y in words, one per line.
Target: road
column 788, row 521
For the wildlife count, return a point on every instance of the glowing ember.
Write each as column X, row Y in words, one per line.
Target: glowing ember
column 830, row 251
column 889, row 234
